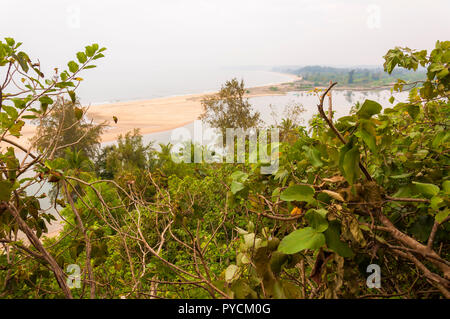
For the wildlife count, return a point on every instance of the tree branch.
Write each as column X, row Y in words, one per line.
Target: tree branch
column 334, row 129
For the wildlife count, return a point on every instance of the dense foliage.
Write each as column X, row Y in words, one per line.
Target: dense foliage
column 353, row 77
column 368, row 188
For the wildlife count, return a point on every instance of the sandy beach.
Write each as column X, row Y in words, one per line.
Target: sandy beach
column 163, row 114
column 159, row 114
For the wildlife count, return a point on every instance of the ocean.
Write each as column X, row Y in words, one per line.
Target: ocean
column 104, row 87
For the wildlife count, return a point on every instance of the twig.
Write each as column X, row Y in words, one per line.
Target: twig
column 330, row 105
column 412, row 200
column 334, row 129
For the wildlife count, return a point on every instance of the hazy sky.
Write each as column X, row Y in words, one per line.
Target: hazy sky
column 225, row 33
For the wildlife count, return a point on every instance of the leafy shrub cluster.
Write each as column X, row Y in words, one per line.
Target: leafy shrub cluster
column 368, row 188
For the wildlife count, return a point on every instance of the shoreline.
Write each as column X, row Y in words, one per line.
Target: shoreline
column 179, row 111
column 162, row 114
column 156, row 114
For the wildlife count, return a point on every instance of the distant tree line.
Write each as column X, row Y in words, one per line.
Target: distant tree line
column 321, row 75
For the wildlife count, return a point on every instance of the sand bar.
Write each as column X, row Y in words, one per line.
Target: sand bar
column 156, row 115
column 159, row 114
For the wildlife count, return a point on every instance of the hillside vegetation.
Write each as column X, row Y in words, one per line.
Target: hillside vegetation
column 369, row 188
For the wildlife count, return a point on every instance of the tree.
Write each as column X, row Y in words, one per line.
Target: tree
column 18, row 210
column 65, row 126
column 229, row 108
column 129, row 154
column 350, row 76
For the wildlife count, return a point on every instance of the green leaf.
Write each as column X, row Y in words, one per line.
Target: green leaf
column 45, row 100
column 426, row 189
column 63, row 85
column 72, row 96
column 333, row 241
column 231, row 273
column 443, row 73
column 391, row 99
column 23, row 59
column 413, row 110
column 443, row 214
column 242, row 290
column 16, row 128
column 19, row 103
column 316, row 221
column 436, row 67
column 440, row 138
column 10, row 41
column 436, row 202
column 277, row 261
column 90, row 51
column 313, row 155
column 368, row 109
column 11, row 111
column 81, row 56
column 405, row 175
column 239, row 176
column 29, row 117
column 446, row 187
column 250, row 241
column 368, row 138
column 301, row 193
column 64, row 75
column 236, row 187
column 5, row 190
column 78, row 113
column 349, row 163
column 73, row 66
column 98, row 56
column 300, row 239
column 38, row 72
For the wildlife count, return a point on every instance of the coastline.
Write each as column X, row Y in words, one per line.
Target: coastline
column 157, row 114
column 152, row 116
column 167, row 113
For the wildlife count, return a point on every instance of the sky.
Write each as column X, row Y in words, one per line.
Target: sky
column 226, row 33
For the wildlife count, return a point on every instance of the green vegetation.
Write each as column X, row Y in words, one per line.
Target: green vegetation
column 229, row 108
column 368, row 188
column 353, row 77
column 66, row 122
